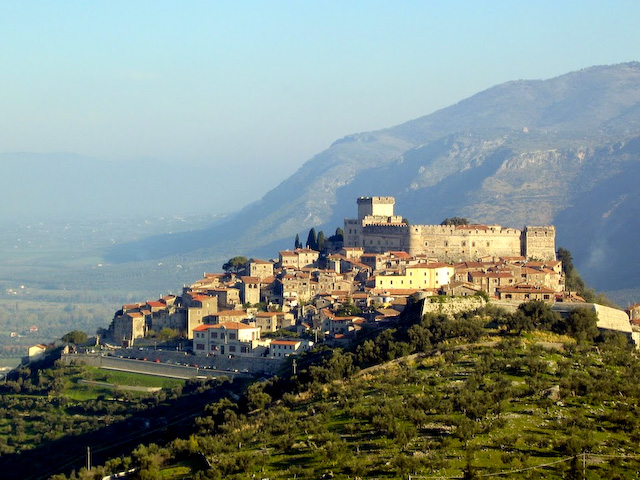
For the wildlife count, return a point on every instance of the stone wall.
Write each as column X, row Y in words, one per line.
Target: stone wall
column 448, row 243
column 451, row 306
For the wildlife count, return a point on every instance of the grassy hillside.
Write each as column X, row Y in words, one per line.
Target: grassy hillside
column 434, row 397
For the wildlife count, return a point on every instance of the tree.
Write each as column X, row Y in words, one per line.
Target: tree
column 519, row 322
column 235, row 265
column 582, row 325
column 455, row 221
column 573, row 281
column 320, row 242
column 541, row 314
column 312, row 239
column 297, row 243
column 75, row 336
column 167, row 333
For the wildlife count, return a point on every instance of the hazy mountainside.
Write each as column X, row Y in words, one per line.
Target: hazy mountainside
column 561, row 151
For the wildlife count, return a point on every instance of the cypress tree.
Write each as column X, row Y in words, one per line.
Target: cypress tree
column 321, row 241
column 312, row 239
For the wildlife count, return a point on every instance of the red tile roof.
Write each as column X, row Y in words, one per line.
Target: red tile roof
column 285, row 342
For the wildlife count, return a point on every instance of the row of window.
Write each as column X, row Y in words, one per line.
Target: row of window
column 232, row 336
column 464, row 244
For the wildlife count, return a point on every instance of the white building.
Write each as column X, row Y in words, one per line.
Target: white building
column 227, row 338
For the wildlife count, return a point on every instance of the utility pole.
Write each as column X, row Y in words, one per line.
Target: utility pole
column 88, row 458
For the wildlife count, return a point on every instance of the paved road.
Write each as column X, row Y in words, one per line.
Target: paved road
column 151, row 368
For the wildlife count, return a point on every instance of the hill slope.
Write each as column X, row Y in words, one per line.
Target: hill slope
column 524, row 152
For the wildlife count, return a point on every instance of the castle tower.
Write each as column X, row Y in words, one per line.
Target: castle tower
column 539, row 242
column 375, row 207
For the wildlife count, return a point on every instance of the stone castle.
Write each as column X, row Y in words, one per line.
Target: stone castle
column 377, row 229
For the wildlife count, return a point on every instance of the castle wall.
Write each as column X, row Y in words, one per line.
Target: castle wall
column 454, row 244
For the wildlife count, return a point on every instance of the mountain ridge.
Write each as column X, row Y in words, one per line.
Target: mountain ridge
column 517, row 153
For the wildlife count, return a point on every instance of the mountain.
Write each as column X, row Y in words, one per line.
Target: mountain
column 563, row 151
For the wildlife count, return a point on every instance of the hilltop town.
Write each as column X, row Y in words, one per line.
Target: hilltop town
column 367, row 279
column 401, row 313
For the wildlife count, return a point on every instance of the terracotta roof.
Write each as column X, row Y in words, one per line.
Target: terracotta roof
column 201, row 298
column 157, row 304
column 224, row 325
column 521, row 288
column 399, row 253
column 285, row 342
column 429, row 265
column 248, row 279
column 359, row 295
column 306, row 250
column 262, row 262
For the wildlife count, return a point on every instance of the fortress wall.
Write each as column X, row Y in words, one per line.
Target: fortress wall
column 451, row 244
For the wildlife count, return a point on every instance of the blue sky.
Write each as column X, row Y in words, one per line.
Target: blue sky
column 265, row 85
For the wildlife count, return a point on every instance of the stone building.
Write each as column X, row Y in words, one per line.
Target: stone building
column 377, row 230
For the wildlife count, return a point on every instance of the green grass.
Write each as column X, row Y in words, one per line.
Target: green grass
column 135, row 379
column 76, row 390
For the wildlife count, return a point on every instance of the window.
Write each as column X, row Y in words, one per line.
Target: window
column 232, row 336
column 232, row 348
column 199, row 346
column 214, row 334
column 464, row 244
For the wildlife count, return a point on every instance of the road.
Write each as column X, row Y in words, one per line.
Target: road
column 150, row 368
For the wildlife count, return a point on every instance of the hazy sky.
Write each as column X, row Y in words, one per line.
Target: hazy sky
column 265, row 85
